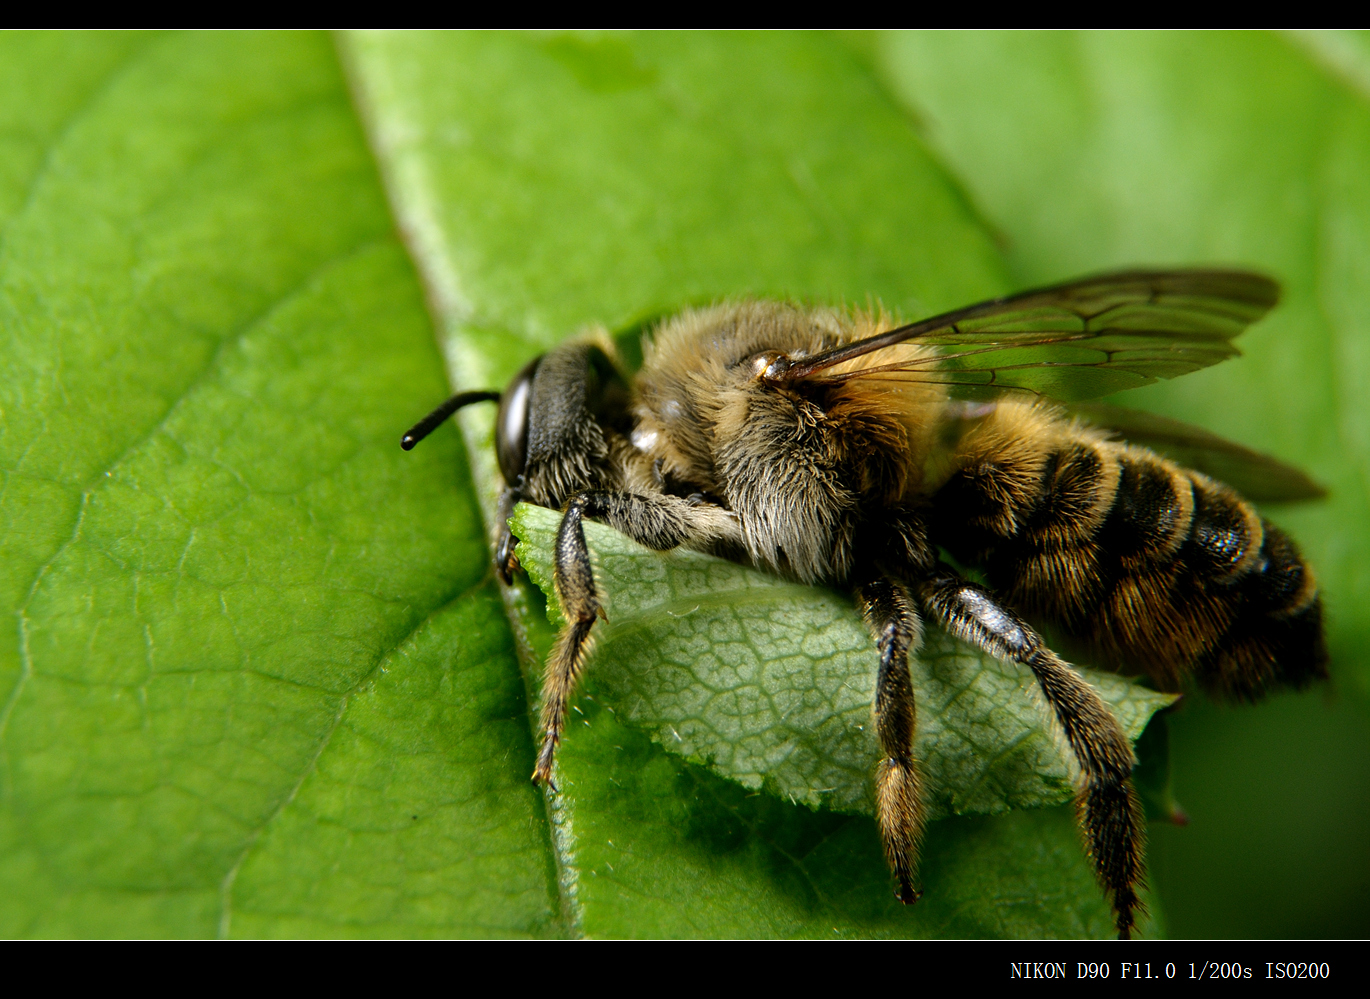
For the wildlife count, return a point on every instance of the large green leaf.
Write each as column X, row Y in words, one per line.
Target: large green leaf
column 233, row 701
column 548, row 184
column 260, row 680
column 1088, row 151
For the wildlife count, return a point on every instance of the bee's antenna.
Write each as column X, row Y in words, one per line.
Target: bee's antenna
column 434, row 419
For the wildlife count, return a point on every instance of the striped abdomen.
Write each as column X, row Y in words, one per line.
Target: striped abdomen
column 1157, row 567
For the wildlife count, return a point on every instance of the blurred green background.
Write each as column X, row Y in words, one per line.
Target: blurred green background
column 260, row 681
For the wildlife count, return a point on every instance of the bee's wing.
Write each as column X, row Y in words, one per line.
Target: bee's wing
column 1256, row 476
column 1078, row 340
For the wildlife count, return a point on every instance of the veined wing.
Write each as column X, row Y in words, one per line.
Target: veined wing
column 1078, row 340
column 1255, row 475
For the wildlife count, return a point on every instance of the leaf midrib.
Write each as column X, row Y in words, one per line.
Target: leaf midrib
column 568, row 873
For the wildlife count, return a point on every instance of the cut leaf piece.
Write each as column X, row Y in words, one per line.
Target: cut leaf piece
column 770, row 682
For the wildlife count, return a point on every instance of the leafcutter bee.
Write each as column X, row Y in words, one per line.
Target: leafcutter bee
column 829, row 448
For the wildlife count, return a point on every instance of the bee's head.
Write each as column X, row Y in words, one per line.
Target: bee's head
column 511, row 424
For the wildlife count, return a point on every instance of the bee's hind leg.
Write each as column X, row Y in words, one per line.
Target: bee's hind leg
column 657, row 521
column 893, row 619
column 1109, row 810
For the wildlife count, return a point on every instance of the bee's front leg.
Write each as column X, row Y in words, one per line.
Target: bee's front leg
column 506, row 561
column 575, row 584
column 893, row 620
column 1110, row 812
column 660, row 522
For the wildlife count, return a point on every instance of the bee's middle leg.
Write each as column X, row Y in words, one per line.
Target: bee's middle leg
column 660, row 522
column 893, row 619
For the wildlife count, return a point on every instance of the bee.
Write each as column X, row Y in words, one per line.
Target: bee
column 843, row 450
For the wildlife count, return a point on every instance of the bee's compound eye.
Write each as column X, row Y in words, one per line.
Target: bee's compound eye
column 511, row 425
column 769, row 364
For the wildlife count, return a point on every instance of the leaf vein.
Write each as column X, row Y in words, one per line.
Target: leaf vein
column 98, row 91
column 252, row 839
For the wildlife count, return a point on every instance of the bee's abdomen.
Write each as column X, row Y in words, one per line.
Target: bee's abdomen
column 1158, row 568
column 1274, row 634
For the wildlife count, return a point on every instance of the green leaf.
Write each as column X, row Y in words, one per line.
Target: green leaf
column 1088, row 151
column 260, row 680
column 255, row 683
column 771, row 683
column 546, row 184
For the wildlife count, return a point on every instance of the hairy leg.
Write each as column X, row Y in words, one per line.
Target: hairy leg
column 893, row 620
column 657, row 521
column 1108, row 807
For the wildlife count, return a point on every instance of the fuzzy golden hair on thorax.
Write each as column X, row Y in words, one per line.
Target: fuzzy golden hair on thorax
column 695, row 387
column 694, row 368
